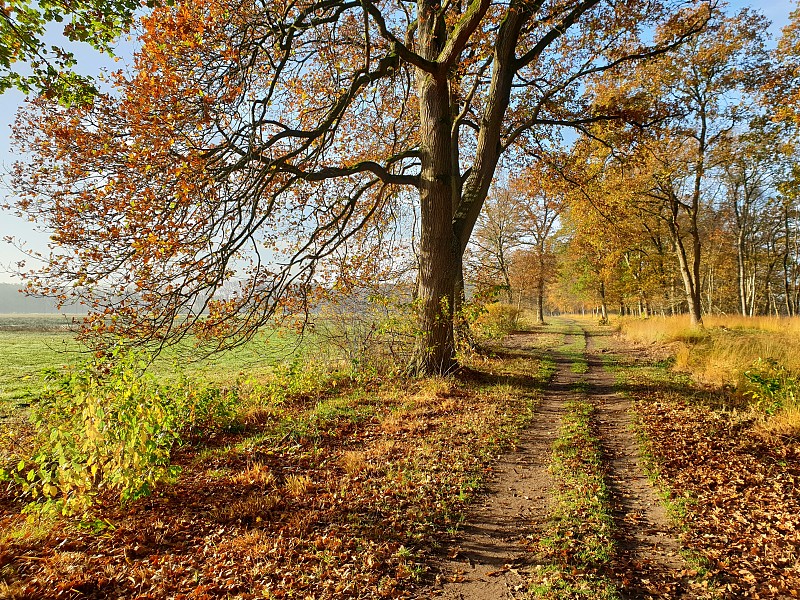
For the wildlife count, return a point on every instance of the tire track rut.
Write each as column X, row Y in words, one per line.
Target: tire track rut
column 490, row 558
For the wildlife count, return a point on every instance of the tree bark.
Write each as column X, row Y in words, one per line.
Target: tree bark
column 540, row 290
column 603, row 307
column 438, row 248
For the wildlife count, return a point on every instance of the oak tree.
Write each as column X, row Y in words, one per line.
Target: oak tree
column 254, row 139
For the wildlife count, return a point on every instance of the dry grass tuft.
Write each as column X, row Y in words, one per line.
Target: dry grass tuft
column 13, row 591
column 385, row 448
column 660, row 330
column 432, row 391
column 30, row 530
column 297, row 485
column 354, row 462
column 66, row 565
column 784, row 425
column 253, row 507
column 258, row 416
column 406, row 423
column 728, row 346
column 252, row 543
column 255, row 474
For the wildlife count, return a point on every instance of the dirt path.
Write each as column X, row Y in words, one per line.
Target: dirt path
column 648, row 562
column 488, row 559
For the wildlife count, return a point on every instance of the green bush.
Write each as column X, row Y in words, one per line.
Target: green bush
column 772, row 386
column 497, row 319
column 110, row 425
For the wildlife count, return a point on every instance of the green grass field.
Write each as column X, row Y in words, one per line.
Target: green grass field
column 29, row 344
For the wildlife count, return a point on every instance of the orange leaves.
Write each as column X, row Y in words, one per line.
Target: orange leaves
column 744, row 510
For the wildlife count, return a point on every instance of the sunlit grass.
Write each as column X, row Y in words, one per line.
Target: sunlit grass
column 721, row 352
column 32, row 344
column 25, row 356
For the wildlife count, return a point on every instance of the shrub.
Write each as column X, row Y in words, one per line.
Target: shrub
column 367, row 333
column 110, row 425
column 497, row 320
column 772, row 386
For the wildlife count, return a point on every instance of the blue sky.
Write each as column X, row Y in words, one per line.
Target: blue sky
column 91, row 62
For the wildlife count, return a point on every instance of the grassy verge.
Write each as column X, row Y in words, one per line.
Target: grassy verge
column 727, row 347
column 330, row 490
column 578, row 548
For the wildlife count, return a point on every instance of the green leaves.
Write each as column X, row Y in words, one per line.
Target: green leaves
column 772, row 385
column 23, row 25
column 112, row 426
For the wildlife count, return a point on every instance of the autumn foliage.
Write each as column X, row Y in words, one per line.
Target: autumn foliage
column 255, row 155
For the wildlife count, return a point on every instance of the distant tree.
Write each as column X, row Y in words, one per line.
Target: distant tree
column 700, row 89
column 789, row 239
column 751, row 163
column 253, row 140
column 589, row 261
column 541, row 195
column 498, row 235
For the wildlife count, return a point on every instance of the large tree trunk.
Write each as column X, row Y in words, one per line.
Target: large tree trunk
column 439, row 250
column 690, row 275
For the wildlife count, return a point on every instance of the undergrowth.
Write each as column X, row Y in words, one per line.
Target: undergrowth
column 345, row 482
column 756, row 358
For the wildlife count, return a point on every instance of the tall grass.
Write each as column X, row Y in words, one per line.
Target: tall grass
column 734, row 352
column 720, row 353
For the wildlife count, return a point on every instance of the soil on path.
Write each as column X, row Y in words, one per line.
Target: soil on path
column 489, row 558
column 648, row 562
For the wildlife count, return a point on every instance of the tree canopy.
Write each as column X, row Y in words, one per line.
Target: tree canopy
column 256, row 141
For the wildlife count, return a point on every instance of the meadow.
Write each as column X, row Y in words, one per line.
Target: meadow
column 32, row 344
column 310, row 483
column 725, row 348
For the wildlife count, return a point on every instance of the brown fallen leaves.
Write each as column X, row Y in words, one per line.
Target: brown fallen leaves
column 337, row 496
column 741, row 494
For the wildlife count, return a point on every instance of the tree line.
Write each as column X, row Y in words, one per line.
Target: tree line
column 256, row 156
column 695, row 213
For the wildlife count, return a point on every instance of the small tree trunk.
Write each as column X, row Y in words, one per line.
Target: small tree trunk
column 690, row 275
column 603, row 307
column 540, row 291
column 787, row 290
column 741, row 274
column 461, row 329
